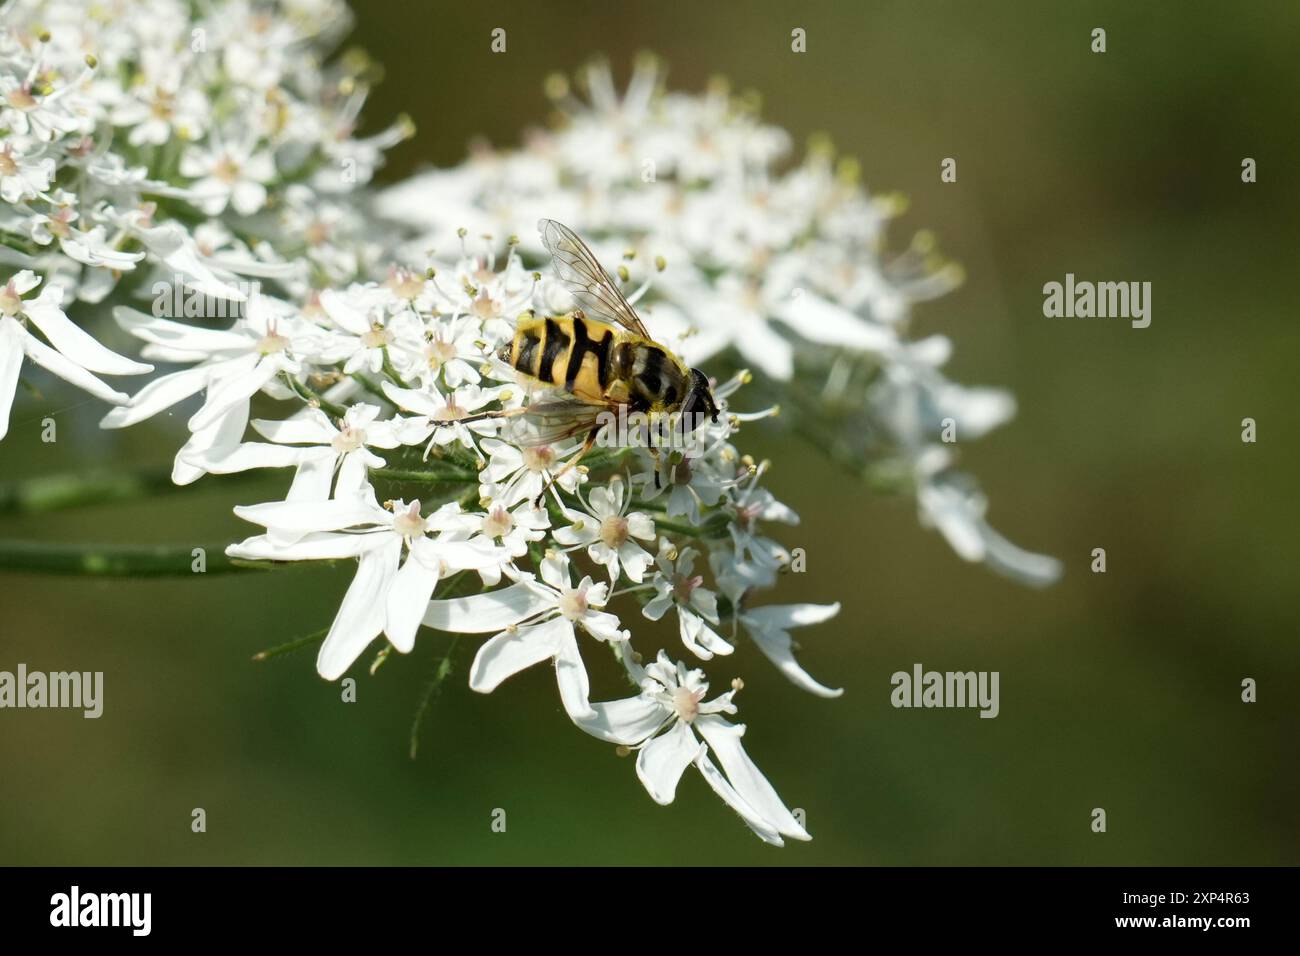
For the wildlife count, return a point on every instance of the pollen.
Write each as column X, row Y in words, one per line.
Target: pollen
column 684, row 587
column 498, row 523
column 349, row 439
column 573, row 604
column 539, row 458
column 613, row 531
column 11, row 302
column 226, row 170
column 409, row 523
column 21, row 99
column 686, row 703
column 271, row 343
column 439, row 352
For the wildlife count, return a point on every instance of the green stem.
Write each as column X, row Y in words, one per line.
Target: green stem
column 54, row 492
column 291, row 646
column 312, row 397
column 439, row 476
column 117, row 561
column 703, row 531
column 390, row 371
column 371, row 386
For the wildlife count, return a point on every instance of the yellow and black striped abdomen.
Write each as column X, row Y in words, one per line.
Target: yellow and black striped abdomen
column 566, row 351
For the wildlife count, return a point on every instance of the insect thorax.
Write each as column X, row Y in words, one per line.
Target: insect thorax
column 658, row 379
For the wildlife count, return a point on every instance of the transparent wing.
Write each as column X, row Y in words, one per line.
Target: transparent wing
column 552, row 417
column 577, row 268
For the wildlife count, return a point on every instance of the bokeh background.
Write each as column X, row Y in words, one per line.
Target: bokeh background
column 1119, row 690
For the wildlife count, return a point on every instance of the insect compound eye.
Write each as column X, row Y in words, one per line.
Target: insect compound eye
column 701, row 397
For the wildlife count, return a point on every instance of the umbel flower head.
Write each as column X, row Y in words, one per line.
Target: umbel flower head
column 773, row 266
column 203, row 146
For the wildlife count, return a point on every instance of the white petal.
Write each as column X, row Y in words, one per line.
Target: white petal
column 701, row 639
column 768, row 628
column 628, row 721
column 471, row 555
column 1036, row 570
column 767, row 349
column 641, row 526
column 311, row 428
column 571, row 676
column 305, row 516
column 322, row 546
column 509, row 652
column 738, row 803
column 785, row 616
column 408, row 599
column 76, row 343
column 656, row 606
column 602, row 625
column 312, row 480
column 352, row 475
column 235, row 389
column 159, row 394
column 819, row 321
column 177, row 335
column 778, row 648
column 11, row 361
column 245, row 457
column 218, row 439
column 493, row 611
column 66, row 369
column 413, row 400
column 952, row 513
column 724, row 739
column 174, row 246
column 361, row 616
column 338, row 308
column 661, row 763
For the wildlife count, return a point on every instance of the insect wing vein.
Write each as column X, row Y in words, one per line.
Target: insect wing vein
column 582, row 274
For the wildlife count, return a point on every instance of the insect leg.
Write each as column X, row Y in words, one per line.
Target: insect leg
column 500, row 413
column 587, row 445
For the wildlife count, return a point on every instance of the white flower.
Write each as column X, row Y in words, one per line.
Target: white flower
column 443, row 414
column 155, row 113
column 692, row 482
column 71, row 354
column 515, row 474
column 387, row 595
column 27, row 113
column 535, row 621
column 751, row 506
column 22, row 178
column 779, row 264
column 949, row 502
column 677, row 586
column 361, row 316
column 662, row 722
column 451, row 349
column 514, row 529
column 609, row 533
column 234, row 174
column 342, row 448
column 233, row 365
column 770, row 626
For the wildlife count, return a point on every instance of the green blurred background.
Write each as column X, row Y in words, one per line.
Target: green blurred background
column 1118, row 691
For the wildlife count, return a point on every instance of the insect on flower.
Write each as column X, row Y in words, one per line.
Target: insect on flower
column 595, row 362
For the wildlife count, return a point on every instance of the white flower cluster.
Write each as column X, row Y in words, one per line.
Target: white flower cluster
column 403, row 366
column 777, row 267
column 144, row 142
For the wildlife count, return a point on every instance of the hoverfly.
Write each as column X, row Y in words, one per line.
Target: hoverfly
column 598, row 358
